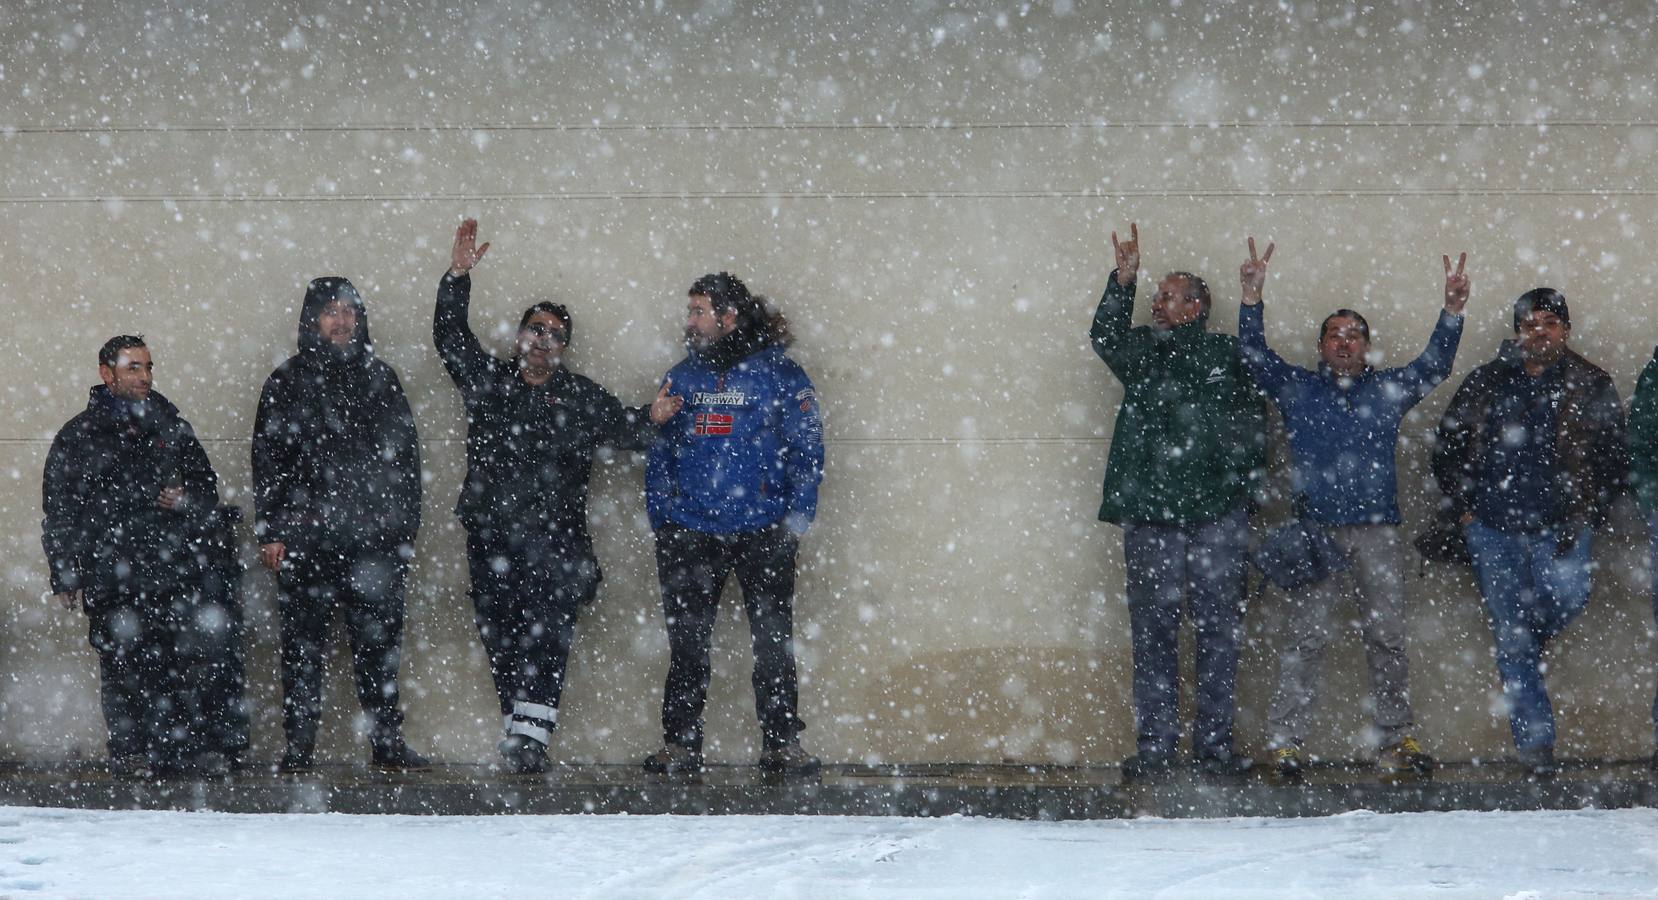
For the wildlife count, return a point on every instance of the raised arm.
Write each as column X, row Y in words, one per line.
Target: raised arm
column 1112, row 335
column 1269, row 370
column 462, row 354
column 1434, row 364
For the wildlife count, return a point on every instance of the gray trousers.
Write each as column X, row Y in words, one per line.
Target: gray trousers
column 1376, row 583
column 1198, row 569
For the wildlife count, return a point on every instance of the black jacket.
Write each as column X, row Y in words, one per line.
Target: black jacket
column 1590, row 440
column 529, row 449
column 336, row 459
column 103, row 531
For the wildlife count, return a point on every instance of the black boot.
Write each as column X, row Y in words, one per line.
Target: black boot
column 526, row 755
column 396, row 756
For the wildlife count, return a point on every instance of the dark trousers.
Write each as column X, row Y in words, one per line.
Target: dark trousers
column 692, row 567
column 1198, row 569
column 366, row 585
column 141, row 670
column 527, row 589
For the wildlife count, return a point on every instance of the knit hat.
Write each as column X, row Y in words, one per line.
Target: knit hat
column 1542, row 300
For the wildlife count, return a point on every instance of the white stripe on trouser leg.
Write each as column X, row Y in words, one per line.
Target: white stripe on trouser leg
column 533, row 720
column 524, row 709
column 532, row 731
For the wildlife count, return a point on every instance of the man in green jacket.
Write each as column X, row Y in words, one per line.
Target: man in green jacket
column 1186, row 452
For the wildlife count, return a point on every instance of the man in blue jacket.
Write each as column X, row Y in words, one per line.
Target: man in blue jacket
column 1343, row 423
column 731, row 487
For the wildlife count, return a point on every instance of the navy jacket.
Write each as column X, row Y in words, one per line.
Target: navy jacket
column 103, row 531
column 1343, row 439
column 744, row 452
column 336, row 458
column 529, row 448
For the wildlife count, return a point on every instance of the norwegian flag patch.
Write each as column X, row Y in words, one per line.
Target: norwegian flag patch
column 713, row 424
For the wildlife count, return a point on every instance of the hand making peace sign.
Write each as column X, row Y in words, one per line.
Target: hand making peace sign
column 1253, row 273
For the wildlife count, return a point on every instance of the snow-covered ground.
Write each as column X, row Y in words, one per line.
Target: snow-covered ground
column 114, row 855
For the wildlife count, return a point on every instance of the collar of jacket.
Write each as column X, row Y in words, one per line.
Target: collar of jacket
column 145, row 416
column 1329, row 374
column 1569, row 363
column 732, row 349
column 1183, row 335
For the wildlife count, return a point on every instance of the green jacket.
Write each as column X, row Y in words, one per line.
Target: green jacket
column 1190, row 439
column 1643, row 439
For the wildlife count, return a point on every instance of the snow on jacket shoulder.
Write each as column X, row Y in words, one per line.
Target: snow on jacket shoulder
column 336, row 456
column 102, row 529
column 529, row 448
column 1344, row 438
column 744, row 452
column 1189, row 443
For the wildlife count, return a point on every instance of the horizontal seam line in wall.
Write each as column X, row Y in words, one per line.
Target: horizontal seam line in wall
column 849, row 442
column 266, row 128
column 1089, row 193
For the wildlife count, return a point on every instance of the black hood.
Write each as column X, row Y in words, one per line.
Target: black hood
column 318, row 294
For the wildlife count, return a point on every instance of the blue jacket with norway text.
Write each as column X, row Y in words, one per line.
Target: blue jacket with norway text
column 743, row 453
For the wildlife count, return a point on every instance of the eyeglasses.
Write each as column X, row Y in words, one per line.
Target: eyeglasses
column 538, row 330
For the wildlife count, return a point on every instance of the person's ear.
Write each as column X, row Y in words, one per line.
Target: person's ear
column 107, row 374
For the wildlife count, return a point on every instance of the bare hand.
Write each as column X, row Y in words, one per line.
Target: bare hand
column 272, row 554
column 666, row 405
column 70, row 600
column 466, row 252
column 1128, row 255
column 1456, row 286
column 171, row 498
column 1253, row 274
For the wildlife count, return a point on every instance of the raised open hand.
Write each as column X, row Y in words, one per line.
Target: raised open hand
column 1456, row 285
column 1252, row 275
column 1128, row 255
column 466, row 252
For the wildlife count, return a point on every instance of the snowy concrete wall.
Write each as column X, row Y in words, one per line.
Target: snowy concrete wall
column 926, row 189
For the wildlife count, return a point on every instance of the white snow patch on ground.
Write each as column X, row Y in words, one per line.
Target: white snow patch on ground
column 61, row 853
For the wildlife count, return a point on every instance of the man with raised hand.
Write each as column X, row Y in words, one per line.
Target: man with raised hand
column 1186, row 453
column 1343, row 422
column 532, row 429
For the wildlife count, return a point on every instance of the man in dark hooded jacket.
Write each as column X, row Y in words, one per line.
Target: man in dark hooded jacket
column 532, row 429
column 127, row 492
column 731, row 488
column 336, row 474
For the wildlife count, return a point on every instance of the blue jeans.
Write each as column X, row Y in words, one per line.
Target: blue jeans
column 1199, row 568
column 1531, row 596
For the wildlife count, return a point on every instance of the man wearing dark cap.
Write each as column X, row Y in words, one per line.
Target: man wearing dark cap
column 336, row 478
column 1530, row 454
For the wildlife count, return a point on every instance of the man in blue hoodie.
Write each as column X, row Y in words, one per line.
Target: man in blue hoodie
column 731, row 487
column 1343, row 423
